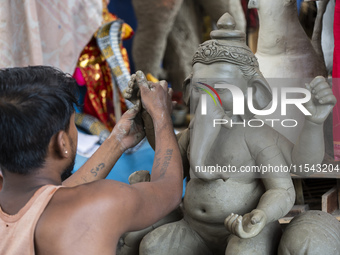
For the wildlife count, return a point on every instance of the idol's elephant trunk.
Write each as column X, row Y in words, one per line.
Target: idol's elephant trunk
column 204, row 134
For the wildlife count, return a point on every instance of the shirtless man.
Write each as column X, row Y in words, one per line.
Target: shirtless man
column 38, row 144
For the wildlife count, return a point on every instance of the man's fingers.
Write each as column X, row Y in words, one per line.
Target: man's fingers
column 170, row 92
column 141, row 79
column 131, row 82
column 152, row 85
column 164, row 85
column 131, row 113
column 138, row 105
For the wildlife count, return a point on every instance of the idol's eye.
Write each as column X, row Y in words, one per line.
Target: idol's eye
column 220, row 90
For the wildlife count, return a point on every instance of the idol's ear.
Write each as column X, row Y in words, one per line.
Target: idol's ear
column 262, row 95
column 187, row 89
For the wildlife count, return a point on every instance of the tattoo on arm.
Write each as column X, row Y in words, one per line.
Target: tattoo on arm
column 95, row 170
column 167, row 159
column 157, row 162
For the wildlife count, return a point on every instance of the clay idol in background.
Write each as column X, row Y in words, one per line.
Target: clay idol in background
column 233, row 211
column 286, row 56
column 169, row 31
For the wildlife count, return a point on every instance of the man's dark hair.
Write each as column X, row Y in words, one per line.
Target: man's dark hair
column 36, row 102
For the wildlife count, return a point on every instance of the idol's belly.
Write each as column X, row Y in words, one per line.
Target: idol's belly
column 210, row 202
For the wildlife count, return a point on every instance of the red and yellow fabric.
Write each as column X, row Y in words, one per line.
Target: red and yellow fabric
column 93, row 70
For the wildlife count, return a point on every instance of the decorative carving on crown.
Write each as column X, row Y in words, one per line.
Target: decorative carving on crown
column 212, row 51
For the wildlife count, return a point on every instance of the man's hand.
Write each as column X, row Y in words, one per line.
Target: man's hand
column 156, row 97
column 322, row 100
column 152, row 100
column 132, row 92
column 247, row 226
column 129, row 129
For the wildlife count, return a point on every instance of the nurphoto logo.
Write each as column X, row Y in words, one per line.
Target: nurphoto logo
column 239, row 103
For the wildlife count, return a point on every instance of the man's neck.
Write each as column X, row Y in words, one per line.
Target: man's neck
column 18, row 189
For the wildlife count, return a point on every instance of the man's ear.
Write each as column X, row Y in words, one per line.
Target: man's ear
column 262, row 95
column 186, row 89
column 62, row 148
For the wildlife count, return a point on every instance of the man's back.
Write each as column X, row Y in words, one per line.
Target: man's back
column 39, row 146
column 90, row 218
column 87, row 219
column 17, row 230
column 82, row 220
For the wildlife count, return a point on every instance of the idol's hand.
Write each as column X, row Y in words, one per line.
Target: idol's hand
column 321, row 102
column 247, row 226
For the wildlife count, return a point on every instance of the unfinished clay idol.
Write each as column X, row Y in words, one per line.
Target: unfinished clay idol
column 286, row 57
column 223, row 213
column 240, row 183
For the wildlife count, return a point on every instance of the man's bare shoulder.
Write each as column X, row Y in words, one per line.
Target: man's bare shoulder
column 85, row 216
column 90, row 198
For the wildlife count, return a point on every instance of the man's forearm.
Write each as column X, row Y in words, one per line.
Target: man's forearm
column 99, row 165
column 167, row 168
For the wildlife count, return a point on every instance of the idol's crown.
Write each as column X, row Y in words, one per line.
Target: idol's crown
column 227, row 45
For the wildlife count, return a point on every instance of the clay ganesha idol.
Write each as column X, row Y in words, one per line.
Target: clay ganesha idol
column 234, row 213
